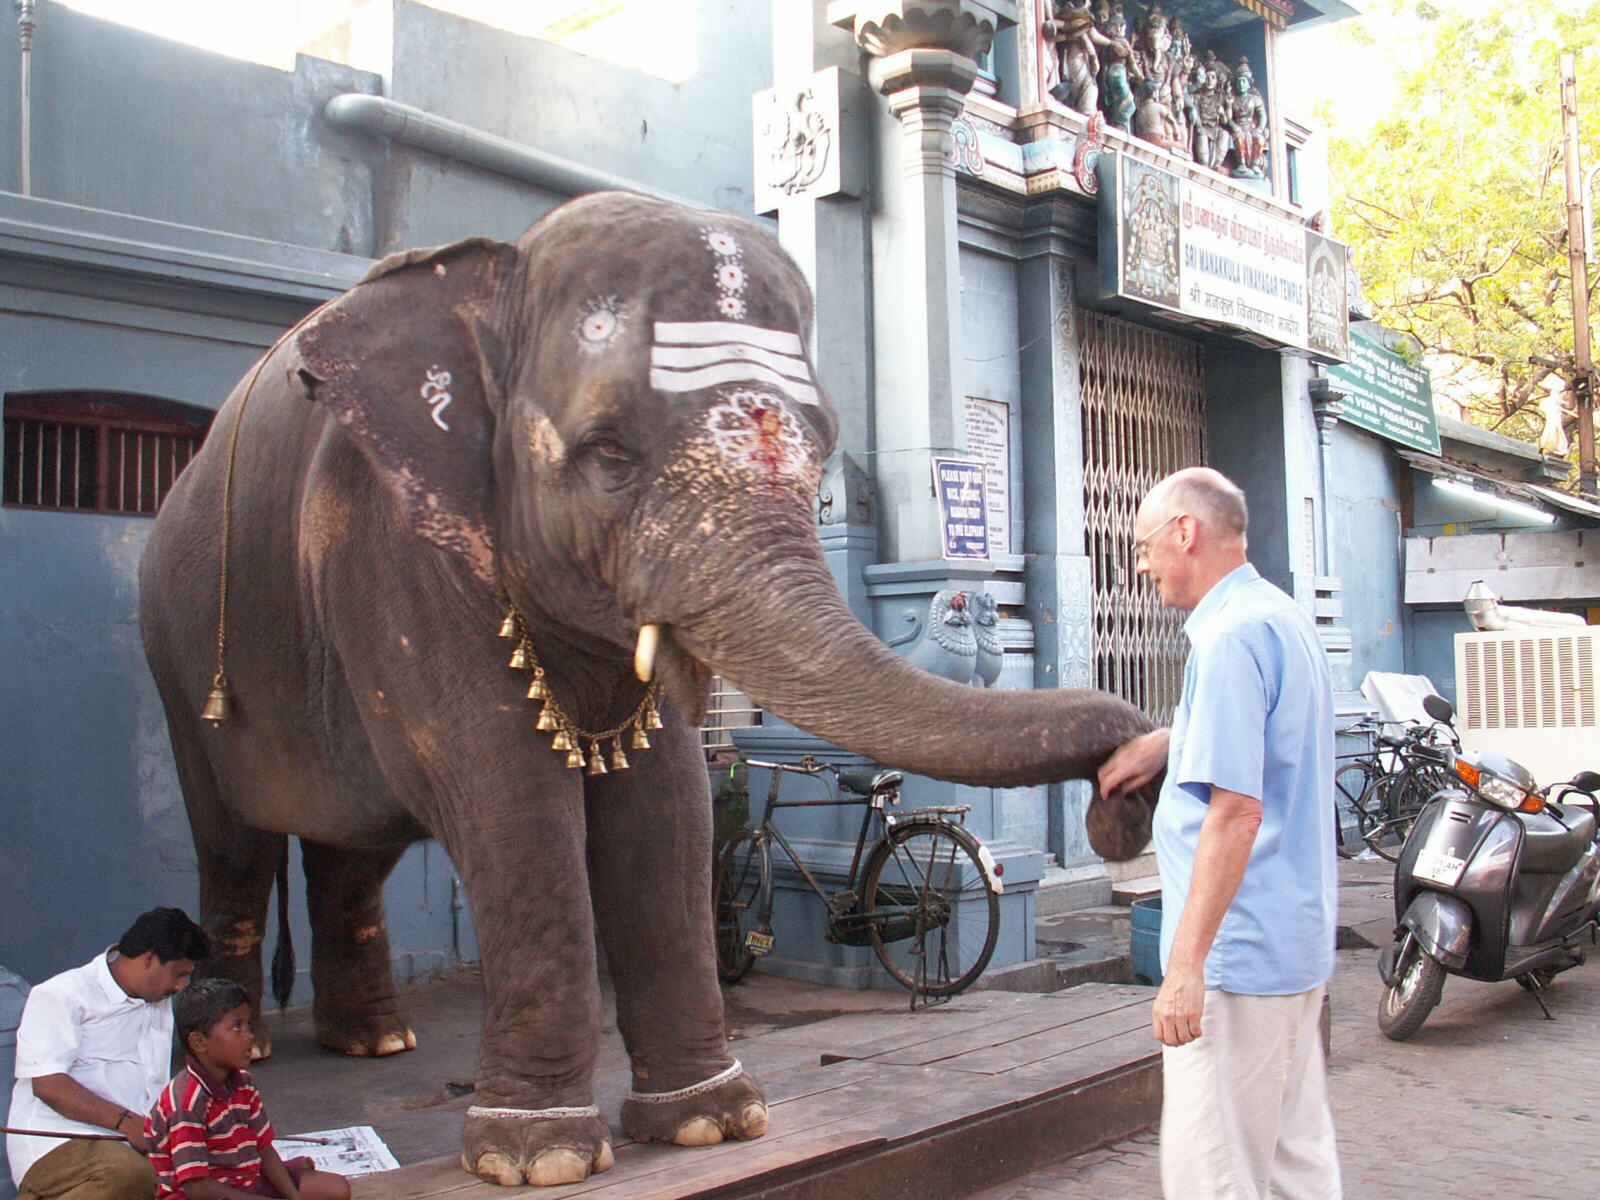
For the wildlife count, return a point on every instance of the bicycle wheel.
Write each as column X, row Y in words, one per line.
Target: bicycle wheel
column 1382, row 826
column 741, row 892
column 931, row 915
column 1350, row 783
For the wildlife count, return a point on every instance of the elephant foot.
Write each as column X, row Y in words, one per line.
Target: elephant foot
column 365, row 1037
column 729, row 1104
column 541, row 1146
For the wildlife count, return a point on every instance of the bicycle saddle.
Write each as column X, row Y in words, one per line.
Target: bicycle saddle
column 869, row 780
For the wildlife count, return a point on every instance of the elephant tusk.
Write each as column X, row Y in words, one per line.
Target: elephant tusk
column 644, row 655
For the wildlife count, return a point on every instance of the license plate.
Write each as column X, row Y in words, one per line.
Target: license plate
column 1439, row 866
column 757, row 942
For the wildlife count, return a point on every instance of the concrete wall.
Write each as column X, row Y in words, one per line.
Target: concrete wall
column 1365, row 481
column 1245, row 440
column 113, row 280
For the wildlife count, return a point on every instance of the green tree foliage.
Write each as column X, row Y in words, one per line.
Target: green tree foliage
column 1454, row 203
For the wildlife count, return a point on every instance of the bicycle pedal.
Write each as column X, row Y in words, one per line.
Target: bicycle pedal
column 758, row 943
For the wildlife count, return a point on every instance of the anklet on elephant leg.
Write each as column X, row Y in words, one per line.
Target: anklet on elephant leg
column 533, row 1114
column 694, row 1089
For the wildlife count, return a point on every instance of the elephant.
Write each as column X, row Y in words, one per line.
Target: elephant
column 603, row 439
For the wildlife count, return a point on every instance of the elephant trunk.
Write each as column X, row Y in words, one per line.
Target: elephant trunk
column 775, row 625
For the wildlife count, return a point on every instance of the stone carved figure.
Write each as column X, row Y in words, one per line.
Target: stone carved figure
column 624, row 481
column 1073, row 63
column 1210, row 115
column 1247, row 126
column 942, row 643
column 1154, row 118
column 1117, row 66
column 986, row 628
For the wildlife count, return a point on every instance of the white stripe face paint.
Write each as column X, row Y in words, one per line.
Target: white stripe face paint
column 700, row 333
column 691, row 356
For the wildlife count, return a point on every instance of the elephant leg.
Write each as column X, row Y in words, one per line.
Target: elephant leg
column 650, row 867
column 237, row 866
column 354, row 1004
column 519, row 846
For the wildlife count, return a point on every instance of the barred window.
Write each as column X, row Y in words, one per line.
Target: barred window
column 729, row 709
column 95, row 452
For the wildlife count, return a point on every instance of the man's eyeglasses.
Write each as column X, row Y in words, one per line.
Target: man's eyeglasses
column 1141, row 545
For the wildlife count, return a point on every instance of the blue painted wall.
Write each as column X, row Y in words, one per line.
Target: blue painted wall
column 189, row 208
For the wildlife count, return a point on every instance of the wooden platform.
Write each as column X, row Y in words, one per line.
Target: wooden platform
column 937, row 1103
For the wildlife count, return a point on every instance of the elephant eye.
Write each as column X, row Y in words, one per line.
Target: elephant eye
column 608, row 461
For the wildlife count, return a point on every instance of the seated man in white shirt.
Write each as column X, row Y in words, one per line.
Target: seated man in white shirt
column 94, row 1050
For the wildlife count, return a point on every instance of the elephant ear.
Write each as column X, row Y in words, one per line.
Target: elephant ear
column 402, row 361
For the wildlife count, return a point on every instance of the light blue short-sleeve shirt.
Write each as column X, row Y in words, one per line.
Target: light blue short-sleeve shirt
column 1255, row 717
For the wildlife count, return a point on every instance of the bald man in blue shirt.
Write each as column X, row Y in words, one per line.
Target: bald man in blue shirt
column 1244, row 841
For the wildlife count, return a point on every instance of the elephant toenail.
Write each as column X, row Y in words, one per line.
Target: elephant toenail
column 411, row 1040
column 497, row 1168
column 358, row 1050
column 391, row 1043
column 557, row 1166
column 702, row 1131
column 605, row 1160
column 753, row 1121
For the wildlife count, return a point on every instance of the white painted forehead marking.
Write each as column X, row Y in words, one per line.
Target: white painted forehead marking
column 690, row 356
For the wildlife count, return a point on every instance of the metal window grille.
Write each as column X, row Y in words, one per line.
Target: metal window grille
column 71, row 453
column 1143, row 394
column 729, row 709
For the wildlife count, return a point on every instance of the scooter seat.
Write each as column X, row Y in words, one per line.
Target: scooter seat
column 1553, row 845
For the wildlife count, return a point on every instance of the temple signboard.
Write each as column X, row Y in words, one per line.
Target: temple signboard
column 1174, row 243
column 1386, row 395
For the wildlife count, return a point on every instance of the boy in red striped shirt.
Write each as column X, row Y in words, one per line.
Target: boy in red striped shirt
column 209, row 1138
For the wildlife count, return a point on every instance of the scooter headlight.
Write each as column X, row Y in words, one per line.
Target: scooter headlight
column 1500, row 792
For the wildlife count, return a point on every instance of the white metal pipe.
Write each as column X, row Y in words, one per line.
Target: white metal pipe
column 25, row 27
column 381, row 117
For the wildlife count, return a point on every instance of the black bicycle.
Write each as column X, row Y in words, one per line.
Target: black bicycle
column 925, row 896
column 1379, row 792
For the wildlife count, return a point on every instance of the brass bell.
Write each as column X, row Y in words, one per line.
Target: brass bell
column 219, row 704
column 547, row 722
column 640, row 742
column 574, row 758
column 562, row 741
column 522, row 656
column 538, row 689
column 619, row 760
column 652, row 719
column 509, row 626
column 597, row 764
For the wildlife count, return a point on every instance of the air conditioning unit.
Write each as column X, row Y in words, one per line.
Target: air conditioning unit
column 1530, row 693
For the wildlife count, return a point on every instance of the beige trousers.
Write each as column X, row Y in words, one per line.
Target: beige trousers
column 83, row 1170
column 1244, row 1114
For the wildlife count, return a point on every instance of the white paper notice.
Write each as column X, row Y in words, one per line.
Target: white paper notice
column 989, row 441
column 354, row 1151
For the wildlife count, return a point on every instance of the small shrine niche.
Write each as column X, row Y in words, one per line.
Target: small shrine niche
column 1183, row 79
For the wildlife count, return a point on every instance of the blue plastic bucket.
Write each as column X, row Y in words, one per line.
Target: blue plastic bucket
column 1144, row 941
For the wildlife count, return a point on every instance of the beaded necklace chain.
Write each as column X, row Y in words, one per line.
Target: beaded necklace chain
column 565, row 736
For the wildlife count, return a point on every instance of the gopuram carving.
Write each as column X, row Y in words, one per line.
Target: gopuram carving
column 1154, row 83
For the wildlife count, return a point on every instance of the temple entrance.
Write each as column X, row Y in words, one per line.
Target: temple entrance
column 1143, row 395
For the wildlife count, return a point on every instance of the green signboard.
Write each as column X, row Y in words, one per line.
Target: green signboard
column 1386, row 395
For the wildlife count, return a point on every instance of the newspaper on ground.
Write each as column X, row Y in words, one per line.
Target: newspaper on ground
column 357, row 1150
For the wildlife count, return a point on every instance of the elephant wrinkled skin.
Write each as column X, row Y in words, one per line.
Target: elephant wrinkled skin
column 612, row 423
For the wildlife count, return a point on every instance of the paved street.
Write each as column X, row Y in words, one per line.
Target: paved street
column 1488, row 1099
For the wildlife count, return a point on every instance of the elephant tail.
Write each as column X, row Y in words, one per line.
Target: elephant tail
column 283, row 952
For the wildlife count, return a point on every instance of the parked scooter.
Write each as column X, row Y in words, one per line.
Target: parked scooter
column 1497, row 880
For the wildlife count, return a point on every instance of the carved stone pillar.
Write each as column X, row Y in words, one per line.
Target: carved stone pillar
column 922, row 60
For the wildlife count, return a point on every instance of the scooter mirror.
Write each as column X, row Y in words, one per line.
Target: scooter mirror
column 1586, row 781
column 1438, row 708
